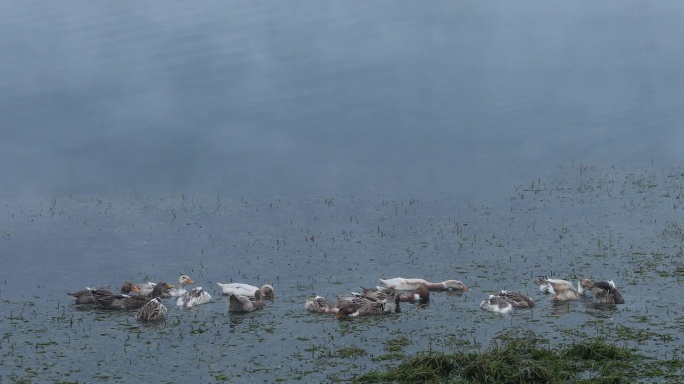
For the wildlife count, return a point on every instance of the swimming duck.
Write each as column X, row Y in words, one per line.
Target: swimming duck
column 355, row 305
column 86, row 297
column 403, row 284
column 562, row 289
column 111, row 301
column 195, row 296
column 517, row 300
column 320, row 304
column 497, row 304
column 240, row 303
column 248, row 290
column 153, row 310
column 365, row 307
column 420, row 295
column 146, row 288
column 603, row 291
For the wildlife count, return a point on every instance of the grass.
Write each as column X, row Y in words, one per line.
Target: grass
column 524, row 360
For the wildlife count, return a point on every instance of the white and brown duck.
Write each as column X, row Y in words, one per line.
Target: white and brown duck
column 496, row 304
column 420, row 295
column 506, row 301
column 561, row 289
column 404, row 284
column 242, row 289
column 193, row 297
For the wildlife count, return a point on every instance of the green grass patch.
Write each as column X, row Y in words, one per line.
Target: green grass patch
column 349, row 352
column 526, row 360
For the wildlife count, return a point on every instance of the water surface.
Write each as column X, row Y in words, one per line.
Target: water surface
column 318, row 147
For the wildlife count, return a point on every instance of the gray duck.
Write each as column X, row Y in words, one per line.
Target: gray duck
column 86, row 296
column 240, row 303
column 153, row 310
column 111, row 301
column 362, row 306
column 603, row 291
column 320, row 304
column 517, row 300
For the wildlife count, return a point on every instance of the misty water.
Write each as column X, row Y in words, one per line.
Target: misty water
column 320, row 146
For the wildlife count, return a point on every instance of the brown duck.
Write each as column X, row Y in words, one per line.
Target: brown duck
column 86, row 296
column 111, row 301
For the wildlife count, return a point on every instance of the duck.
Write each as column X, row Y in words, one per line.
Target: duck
column 497, row 304
column 562, row 289
column 603, row 291
column 240, row 303
column 195, row 296
column 107, row 300
column 248, row 290
column 517, row 300
column 421, row 295
column 153, row 310
column 85, row 296
column 320, row 304
column 355, row 305
column 403, row 284
column 146, row 288
column 365, row 307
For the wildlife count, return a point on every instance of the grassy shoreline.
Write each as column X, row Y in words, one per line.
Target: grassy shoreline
column 528, row 360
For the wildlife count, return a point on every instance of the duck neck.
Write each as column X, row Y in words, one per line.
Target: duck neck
column 435, row 286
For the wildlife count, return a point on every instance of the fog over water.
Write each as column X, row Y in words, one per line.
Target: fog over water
column 321, row 98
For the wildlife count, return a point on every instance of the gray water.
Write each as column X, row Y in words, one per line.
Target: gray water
column 319, row 146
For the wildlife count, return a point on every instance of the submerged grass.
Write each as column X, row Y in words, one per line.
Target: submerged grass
column 523, row 360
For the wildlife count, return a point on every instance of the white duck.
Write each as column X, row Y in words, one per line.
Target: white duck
column 403, row 284
column 146, row 288
column 195, row 296
column 241, row 289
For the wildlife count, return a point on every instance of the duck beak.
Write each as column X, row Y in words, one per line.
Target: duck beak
column 465, row 288
column 338, row 315
column 190, row 281
column 135, row 288
column 170, row 286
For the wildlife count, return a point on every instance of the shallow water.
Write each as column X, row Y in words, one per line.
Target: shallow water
column 585, row 221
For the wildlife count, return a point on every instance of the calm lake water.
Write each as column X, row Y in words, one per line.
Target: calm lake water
column 319, row 146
